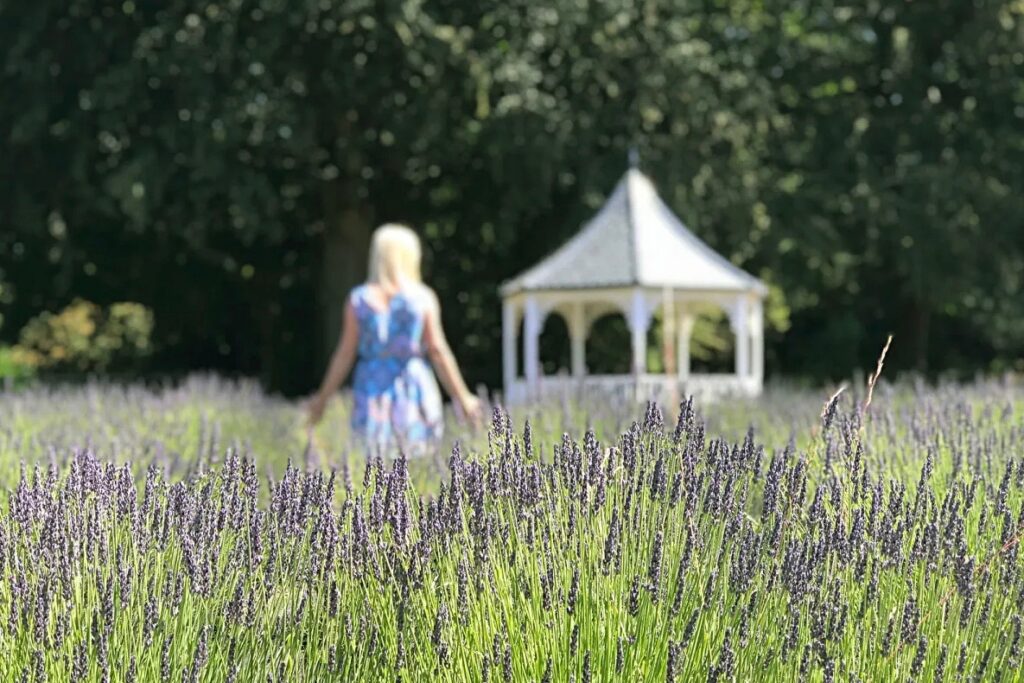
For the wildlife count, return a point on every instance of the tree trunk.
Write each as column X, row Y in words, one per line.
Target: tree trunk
column 268, row 350
column 346, row 248
column 920, row 325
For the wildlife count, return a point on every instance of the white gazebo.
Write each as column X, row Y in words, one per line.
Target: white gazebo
column 634, row 257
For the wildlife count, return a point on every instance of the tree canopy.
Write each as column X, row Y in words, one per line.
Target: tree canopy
column 223, row 163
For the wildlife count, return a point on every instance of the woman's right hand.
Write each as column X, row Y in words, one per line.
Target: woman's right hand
column 316, row 408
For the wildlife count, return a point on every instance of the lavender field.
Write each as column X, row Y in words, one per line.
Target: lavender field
column 195, row 534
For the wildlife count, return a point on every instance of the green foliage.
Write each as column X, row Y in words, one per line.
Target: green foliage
column 228, row 160
column 15, row 367
column 86, row 337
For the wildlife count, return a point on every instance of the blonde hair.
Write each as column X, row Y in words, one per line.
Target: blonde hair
column 395, row 255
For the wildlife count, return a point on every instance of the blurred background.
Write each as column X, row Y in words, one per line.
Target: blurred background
column 192, row 185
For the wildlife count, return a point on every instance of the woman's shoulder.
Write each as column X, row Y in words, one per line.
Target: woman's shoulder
column 357, row 296
column 422, row 294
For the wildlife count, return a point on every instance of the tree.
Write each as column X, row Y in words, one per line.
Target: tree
column 905, row 142
column 225, row 163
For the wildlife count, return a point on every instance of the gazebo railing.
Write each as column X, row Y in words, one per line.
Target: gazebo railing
column 645, row 387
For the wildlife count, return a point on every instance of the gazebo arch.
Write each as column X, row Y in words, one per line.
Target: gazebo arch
column 636, row 257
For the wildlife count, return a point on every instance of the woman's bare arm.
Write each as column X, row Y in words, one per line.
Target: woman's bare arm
column 443, row 360
column 341, row 364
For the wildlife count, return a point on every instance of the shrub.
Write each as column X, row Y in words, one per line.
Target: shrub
column 86, row 337
column 16, row 367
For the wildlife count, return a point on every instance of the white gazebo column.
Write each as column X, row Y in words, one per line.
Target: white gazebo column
column 578, row 339
column 531, row 346
column 508, row 347
column 670, row 360
column 740, row 318
column 757, row 342
column 684, row 331
column 638, row 318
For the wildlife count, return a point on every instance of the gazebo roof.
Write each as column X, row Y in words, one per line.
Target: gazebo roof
column 635, row 240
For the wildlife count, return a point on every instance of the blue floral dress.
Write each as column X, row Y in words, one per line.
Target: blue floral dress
column 397, row 402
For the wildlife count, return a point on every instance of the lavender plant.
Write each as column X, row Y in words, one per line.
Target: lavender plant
column 868, row 547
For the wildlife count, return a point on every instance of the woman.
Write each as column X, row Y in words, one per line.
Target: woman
column 390, row 324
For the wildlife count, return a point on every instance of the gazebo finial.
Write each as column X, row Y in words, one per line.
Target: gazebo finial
column 634, row 157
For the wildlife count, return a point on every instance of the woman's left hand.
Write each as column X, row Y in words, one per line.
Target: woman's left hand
column 472, row 409
column 316, row 408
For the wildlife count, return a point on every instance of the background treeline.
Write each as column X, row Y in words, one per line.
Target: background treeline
column 224, row 163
